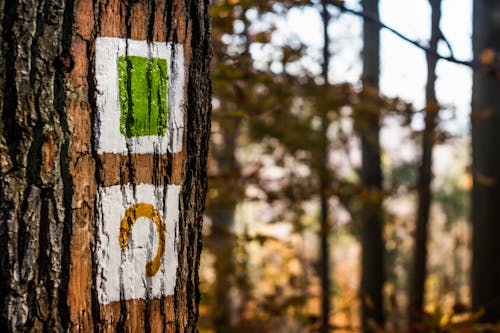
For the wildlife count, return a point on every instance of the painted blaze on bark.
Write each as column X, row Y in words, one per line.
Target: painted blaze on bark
column 131, row 77
column 132, row 214
column 143, row 95
column 140, row 100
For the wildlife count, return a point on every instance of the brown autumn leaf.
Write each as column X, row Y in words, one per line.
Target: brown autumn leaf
column 262, row 37
column 488, row 56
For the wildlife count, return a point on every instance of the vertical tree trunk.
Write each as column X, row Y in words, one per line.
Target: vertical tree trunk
column 226, row 179
column 486, row 166
column 221, row 243
column 372, row 243
column 105, row 122
column 417, row 289
column 323, row 180
column 35, row 212
column 221, row 209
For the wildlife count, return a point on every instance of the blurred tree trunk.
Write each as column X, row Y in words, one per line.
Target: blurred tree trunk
column 225, row 178
column 323, row 183
column 486, row 165
column 221, row 243
column 51, row 171
column 417, row 289
column 221, row 210
column 372, row 242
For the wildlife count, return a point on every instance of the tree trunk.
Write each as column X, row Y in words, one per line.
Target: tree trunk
column 221, row 243
column 221, row 209
column 372, row 242
column 417, row 290
column 486, row 166
column 323, row 180
column 105, row 122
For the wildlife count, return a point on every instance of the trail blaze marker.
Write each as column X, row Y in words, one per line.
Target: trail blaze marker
column 140, row 96
column 136, row 241
column 143, row 96
column 140, row 100
column 131, row 215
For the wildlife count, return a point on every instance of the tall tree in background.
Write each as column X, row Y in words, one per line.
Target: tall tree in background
column 242, row 93
column 225, row 190
column 323, row 182
column 371, row 230
column 486, row 164
column 417, row 288
column 53, row 176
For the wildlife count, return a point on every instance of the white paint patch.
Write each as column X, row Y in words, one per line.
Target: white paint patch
column 121, row 275
column 107, row 126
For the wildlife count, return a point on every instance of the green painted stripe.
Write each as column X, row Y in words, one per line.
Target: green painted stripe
column 143, row 96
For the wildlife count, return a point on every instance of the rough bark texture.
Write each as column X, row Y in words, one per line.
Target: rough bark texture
column 35, row 205
column 372, row 243
column 51, row 170
column 417, row 289
column 486, row 166
column 197, row 138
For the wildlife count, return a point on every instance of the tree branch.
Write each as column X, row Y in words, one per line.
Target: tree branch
column 368, row 17
column 445, row 40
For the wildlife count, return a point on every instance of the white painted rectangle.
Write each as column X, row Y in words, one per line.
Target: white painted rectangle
column 109, row 139
column 121, row 273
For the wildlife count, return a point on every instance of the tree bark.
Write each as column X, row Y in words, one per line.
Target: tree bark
column 372, row 242
column 417, row 291
column 486, row 166
column 55, row 175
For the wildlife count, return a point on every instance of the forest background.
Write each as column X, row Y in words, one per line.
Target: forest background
column 342, row 166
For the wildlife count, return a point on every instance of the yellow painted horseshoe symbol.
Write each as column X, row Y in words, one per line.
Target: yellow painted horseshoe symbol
column 131, row 215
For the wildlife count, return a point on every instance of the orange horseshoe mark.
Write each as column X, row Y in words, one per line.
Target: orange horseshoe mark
column 131, row 215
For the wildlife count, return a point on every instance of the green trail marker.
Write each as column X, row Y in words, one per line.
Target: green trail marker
column 143, row 96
